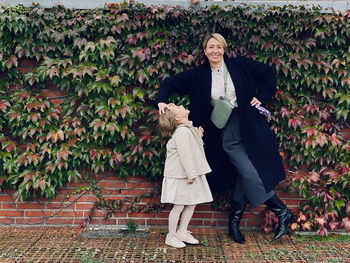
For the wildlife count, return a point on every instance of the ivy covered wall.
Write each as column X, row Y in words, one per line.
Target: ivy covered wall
column 109, row 63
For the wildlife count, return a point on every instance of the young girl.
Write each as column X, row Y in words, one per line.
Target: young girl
column 184, row 183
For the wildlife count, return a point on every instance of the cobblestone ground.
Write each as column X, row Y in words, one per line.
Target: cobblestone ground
column 64, row 244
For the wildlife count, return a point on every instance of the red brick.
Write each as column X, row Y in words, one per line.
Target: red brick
column 204, row 207
column 154, row 200
column 137, row 221
column 223, row 215
column 119, row 214
column 110, row 192
column 59, row 221
column 84, row 207
column 8, row 206
column 148, row 185
column 112, row 184
column 253, row 223
column 56, row 206
column 157, row 222
column 22, row 221
column 74, row 185
column 163, row 214
column 79, row 221
column 134, row 191
column 31, row 206
column 5, row 198
column 211, row 223
column 115, row 197
column 30, row 213
column 108, row 221
column 195, row 222
column 136, row 179
column 222, row 223
column 291, row 202
column 7, row 221
column 87, row 198
column 141, row 214
column 202, row 215
column 10, row 213
column 65, row 213
column 251, row 216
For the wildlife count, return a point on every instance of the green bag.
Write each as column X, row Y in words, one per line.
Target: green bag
column 222, row 108
column 221, row 112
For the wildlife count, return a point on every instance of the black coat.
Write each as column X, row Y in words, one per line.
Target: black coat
column 251, row 79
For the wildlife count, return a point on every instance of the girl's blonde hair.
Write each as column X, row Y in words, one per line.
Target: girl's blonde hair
column 218, row 37
column 167, row 123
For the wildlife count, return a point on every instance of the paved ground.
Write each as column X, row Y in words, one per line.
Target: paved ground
column 63, row 244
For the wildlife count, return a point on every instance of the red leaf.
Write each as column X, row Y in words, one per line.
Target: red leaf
column 63, row 155
column 347, row 209
column 11, row 61
column 321, row 139
column 310, row 132
column 42, row 185
column 346, row 223
column 117, row 158
column 53, row 72
column 267, row 46
column 95, row 154
column 322, row 232
column 333, row 174
column 301, row 217
column 54, row 136
column 295, row 122
column 34, row 117
column 4, row 104
column 320, row 220
column 334, row 140
column 313, row 177
column 333, row 225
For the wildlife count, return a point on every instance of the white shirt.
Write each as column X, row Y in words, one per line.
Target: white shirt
column 218, row 88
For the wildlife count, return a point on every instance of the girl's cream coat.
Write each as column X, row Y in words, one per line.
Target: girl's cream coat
column 185, row 154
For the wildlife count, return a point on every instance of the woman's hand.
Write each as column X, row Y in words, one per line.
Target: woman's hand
column 161, row 107
column 190, row 181
column 201, row 131
column 255, row 102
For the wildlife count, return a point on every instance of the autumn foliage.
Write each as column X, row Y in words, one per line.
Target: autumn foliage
column 110, row 62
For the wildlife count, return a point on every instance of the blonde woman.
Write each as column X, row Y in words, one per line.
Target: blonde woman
column 243, row 155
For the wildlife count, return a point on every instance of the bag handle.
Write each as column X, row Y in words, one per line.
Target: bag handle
column 225, row 79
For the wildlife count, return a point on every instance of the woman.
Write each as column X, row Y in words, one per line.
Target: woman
column 246, row 141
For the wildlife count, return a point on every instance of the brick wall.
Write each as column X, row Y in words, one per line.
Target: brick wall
column 73, row 209
column 69, row 208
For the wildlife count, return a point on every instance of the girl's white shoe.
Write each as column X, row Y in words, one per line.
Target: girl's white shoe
column 186, row 237
column 174, row 241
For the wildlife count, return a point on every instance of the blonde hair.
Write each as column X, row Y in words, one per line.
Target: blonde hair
column 217, row 36
column 167, row 123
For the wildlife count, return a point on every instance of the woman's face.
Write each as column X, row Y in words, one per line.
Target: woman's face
column 214, row 51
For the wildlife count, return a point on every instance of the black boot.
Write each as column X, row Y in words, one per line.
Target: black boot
column 284, row 215
column 234, row 218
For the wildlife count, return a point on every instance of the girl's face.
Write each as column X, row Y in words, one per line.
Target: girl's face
column 180, row 112
column 214, row 51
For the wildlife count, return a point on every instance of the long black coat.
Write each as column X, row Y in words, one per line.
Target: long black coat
column 251, row 79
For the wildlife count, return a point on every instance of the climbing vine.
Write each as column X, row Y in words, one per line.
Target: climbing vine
column 109, row 63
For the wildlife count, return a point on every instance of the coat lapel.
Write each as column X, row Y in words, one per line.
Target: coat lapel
column 235, row 73
column 206, row 84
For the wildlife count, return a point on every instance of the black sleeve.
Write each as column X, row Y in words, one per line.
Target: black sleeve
column 264, row 75
column 180, row 83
